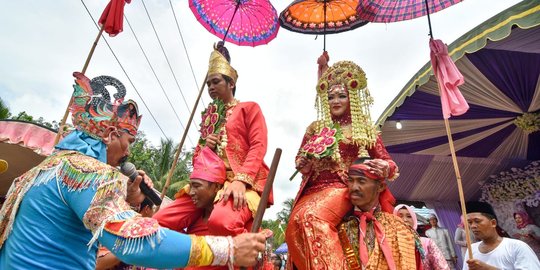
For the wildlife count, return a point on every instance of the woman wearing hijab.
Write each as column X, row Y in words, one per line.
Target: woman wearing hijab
column 527, row 231
column 460, row 238
column 433, row 257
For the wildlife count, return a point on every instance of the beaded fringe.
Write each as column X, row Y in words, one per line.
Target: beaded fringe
column 75, row 176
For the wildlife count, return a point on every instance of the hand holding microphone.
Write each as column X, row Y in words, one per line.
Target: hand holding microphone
column 129, row 170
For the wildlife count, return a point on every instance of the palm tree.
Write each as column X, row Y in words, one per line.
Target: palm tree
column 163, row 159
column 279, row 225
column 157, row 162
column 286, row 211
column 4, row 110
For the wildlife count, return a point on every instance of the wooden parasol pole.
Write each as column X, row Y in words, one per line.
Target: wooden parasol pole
column 454, row 158
column 257, row 220
column 232, row 19
column 324, row 31
column 182, row 140
column 460, row 186
column 86, row 63
column 428, row 19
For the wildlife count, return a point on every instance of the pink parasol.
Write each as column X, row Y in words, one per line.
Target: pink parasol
column 452, row 103
column 242, row 22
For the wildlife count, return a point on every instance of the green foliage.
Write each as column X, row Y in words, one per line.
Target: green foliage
column 286, row 211
column 278, row 228
column 141, row 152
column 279, row 225
column 23, row 116
column 157, row 161
column 4, row 110
column 53, row 124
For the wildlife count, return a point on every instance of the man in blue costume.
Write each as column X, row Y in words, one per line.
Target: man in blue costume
column 55, row 213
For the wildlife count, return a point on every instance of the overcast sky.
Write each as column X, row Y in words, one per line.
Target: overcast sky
column 43, row 42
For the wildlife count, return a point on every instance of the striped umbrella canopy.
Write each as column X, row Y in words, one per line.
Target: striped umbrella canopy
column 501, row 66
column 386, row 11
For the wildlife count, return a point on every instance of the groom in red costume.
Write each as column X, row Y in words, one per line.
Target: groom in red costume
column 205, row 181
column 240, row 142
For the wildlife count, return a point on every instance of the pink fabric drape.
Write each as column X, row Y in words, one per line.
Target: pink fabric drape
column 449, row 78
column 322, row 63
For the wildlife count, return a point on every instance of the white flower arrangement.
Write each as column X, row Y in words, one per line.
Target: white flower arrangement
column 514, row 185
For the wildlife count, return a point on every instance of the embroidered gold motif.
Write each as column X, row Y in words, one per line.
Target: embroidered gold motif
column 244, row 177
column 399, row 237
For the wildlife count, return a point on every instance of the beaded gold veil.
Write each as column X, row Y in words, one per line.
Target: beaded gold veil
column 350, row 76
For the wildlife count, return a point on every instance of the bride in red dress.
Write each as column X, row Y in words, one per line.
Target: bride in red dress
column 322, row 201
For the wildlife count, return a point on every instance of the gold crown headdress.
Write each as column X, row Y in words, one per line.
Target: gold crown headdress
column 93, row 112
column 219, row 64
column 348, row 75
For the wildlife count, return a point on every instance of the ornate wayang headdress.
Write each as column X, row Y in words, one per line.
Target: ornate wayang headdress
column 208, row 166
column 92, row 110
column 350, row 77
column 220, row 63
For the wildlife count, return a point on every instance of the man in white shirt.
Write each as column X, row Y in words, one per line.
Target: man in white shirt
column 443, row 241
column 494, row 251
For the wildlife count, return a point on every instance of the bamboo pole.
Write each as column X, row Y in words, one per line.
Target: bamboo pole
column 460, row 186
column 86, row 63
column 182, row 140
column 454, row 159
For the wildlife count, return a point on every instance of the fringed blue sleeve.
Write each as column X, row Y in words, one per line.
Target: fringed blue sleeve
column 133, row 239
column 171, row 252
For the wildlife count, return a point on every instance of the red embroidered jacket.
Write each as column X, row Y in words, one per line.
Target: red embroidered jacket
column 247, row 142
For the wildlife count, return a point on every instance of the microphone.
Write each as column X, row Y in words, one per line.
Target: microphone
column 129, row 170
